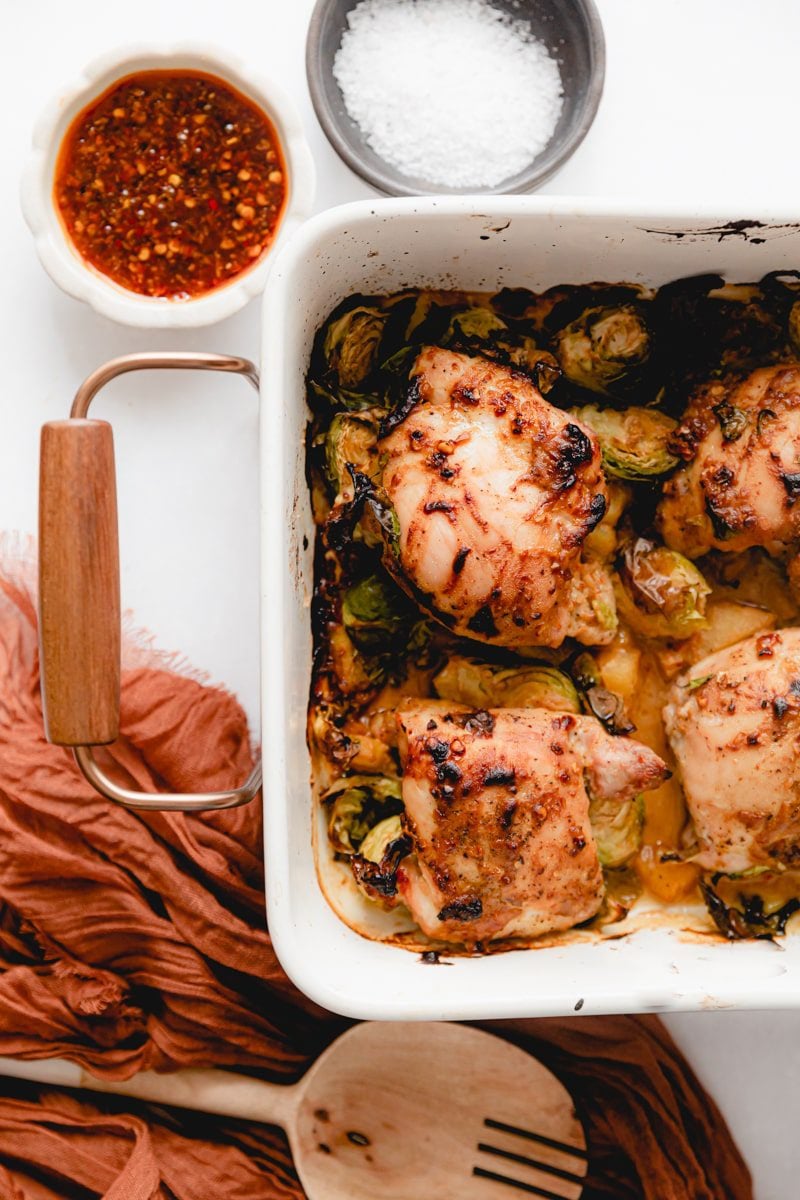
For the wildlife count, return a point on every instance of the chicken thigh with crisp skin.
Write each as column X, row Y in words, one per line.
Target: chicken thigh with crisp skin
column 497, row 809
column 495, row 491
column 734, row 726
column 741, row 482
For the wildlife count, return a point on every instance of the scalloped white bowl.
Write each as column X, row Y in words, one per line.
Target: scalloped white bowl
column 56, row 251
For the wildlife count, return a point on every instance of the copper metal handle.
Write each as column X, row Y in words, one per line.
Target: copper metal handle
column 79, row 605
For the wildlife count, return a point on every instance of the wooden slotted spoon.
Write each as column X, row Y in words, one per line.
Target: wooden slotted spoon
column 394, row 1111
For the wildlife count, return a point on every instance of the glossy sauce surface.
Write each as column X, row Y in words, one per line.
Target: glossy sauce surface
column 171, row 183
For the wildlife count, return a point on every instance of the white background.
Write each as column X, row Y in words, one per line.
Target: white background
column 700, row 103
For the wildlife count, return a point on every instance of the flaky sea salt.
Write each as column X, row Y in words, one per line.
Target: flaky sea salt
column 453, row 92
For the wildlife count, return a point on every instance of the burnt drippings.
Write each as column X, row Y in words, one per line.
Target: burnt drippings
column 467, row 909
column 433, row 506
column 357, row 1138
column 780, row 706
column 742, row 228
column 483, row 622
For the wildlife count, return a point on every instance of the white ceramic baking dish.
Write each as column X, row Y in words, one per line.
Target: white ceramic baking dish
column 474, row 243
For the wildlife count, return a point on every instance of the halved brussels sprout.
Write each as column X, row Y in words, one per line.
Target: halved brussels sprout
column 471, row 324
column 358, row 804
column 375, row 613
column 661, row 593
column 596, row 697
column 606, row 349
column 634, row 441
column 382, row 851
column 380, row 837
column 617, row 829
column 757, row 907
column 481, row 685
column 354, row 672
column 351, row 439
column 351, row 344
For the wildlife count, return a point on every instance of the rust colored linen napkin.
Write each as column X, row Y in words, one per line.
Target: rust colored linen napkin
column 131, row 940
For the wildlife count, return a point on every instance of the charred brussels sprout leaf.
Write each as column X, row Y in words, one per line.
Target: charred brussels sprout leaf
column 739, row 911
column 732, row 421
column 473, row 324
column 617, row 828
column 606, row 350
column 352, row 343
column 380, row 837
column 384, row 848
column 634, row 441
column 481, row 685
column 350, row 439
column 482, row 331
column 375, row 614
column 357, row 805
column 596, row 699
column 662, row 594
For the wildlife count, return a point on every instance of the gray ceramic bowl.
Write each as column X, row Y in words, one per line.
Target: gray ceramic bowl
column 570, row 29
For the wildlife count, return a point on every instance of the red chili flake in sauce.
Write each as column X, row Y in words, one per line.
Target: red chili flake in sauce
column 171, row 183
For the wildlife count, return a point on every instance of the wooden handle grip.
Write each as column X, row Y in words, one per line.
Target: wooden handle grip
column 79, row 608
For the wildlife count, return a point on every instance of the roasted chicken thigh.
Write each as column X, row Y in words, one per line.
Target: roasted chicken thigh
column 495, row 491
column 734, row 726
column 741, row 482
column 497, row 812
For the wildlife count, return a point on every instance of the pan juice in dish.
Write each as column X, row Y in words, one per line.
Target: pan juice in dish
column 556, row 687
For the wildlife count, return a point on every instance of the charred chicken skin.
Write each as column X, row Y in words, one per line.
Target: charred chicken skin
column 734, row 726
column 495, row 491
column 741, row 482
column 497, row 816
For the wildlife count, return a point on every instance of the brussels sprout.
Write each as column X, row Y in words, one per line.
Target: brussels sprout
column 597, row 699
column 350, row 439
column 375, row 868
column 606, row 349
column 662, row 594
column 375, row 614
column 473, row 324
column 617, row 829
column 358, row 804
column 634, row 441
column 380, row 837
column 354, row 672
column 351, row 344
column 480, row 685
column 484, row 332
column 751, row 908
column 793, row 327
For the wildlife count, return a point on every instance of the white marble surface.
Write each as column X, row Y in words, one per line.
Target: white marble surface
column 700, row 102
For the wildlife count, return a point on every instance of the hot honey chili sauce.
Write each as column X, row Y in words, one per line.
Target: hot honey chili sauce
column 171, row 183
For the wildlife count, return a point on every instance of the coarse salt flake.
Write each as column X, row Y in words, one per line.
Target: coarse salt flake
column 452, row 92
